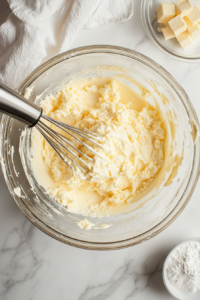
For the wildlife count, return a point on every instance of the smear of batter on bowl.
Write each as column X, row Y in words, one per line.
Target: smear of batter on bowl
column 17, row 191
column 133, row 147
column 87, row 225
column 194, row 131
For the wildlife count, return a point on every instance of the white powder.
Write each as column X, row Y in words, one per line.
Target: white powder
column 183, row 268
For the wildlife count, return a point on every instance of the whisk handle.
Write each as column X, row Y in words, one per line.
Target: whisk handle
column 18, row 107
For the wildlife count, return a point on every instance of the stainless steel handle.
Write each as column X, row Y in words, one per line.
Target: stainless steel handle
column 18, row 107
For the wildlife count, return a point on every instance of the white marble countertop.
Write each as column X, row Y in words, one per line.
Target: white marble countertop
column 33, row 266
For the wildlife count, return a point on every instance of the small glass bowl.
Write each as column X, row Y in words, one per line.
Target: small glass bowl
column 171, row 47
column 175, row 292
column 140, row 224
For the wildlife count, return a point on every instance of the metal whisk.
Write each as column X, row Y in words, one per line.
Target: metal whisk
column 31, row 114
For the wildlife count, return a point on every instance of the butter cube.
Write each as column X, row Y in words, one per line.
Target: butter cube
column 194, row 30
column 167, row 32
column 183, row 7
column 165, row 12
column 177, row 25
column 184, row 39
column 194, row 15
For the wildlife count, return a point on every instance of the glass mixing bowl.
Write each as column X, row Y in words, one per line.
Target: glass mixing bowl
column 127, row 229
column 171, row 47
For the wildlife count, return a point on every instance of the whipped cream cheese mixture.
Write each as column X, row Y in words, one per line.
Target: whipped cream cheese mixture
column 133, row 147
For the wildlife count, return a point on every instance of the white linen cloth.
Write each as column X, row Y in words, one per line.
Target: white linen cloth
column 36, row 30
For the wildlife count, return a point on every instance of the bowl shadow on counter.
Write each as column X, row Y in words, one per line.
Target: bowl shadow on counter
column 154, row 265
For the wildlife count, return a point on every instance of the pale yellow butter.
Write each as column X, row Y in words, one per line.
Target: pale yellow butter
column 167, row 32
column 181, row 20
column 194, row 15
column 183, row 7
column 194, row 30
column 184, row 39
column 177, row 25
column 165, row 12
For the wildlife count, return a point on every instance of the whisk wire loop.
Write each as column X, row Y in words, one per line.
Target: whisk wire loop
column 61, row 143
column 53, row 146
column 59, row 139
column 71, row 128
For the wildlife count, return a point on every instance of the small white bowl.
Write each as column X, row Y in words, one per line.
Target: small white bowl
column 170, row 47
column 175, row 292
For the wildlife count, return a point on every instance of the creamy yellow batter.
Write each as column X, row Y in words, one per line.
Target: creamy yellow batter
column 133, row 147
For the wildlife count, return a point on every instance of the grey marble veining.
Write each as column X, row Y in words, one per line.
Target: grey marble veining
column 33, row 266
column 23, row 260
column 129, row 271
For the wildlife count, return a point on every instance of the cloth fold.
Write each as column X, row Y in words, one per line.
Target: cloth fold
column 36, row 30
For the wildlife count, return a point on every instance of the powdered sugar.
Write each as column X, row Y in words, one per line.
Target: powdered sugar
column 183, row 267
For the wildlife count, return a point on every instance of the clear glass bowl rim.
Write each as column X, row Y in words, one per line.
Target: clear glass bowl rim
column 196, row 162
column 167, row 50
